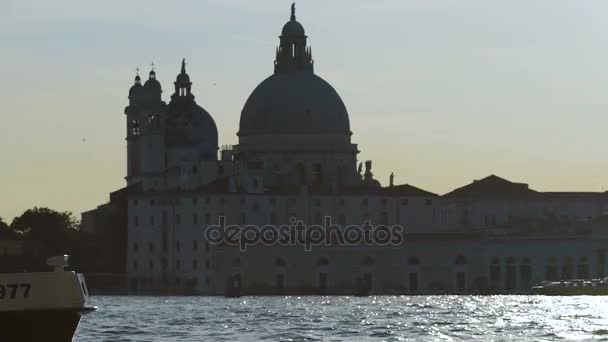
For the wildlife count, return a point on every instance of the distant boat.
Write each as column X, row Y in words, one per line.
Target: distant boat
column 575, row 287
column 42, row 306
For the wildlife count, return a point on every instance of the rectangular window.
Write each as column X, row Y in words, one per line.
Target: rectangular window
column 136, row 221
column 273, row 218
column 195, row 218
column 151, row 246
column 151, row 264
column 178, row 264
column 194, row 264
column 243, row 218
column 135, row 264
column 135, row 247
column 165, row 217
column 178, row 219
column 177, row 246
column 195, row 245
column 207, row 264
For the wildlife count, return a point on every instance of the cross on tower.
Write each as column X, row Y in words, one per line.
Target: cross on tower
column 152, row 65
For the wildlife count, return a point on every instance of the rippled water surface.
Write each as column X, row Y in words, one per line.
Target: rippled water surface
column 402, row 318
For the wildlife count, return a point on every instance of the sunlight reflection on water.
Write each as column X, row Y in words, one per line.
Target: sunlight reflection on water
column 401, row 318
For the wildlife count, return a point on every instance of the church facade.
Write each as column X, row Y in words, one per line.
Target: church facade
column 295, row 163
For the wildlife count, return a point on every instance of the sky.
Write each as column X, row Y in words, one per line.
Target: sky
column 440, row 92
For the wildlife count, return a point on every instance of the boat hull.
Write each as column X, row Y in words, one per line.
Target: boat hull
column 53, row 325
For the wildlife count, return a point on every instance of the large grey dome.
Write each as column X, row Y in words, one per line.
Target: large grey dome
column 294, row 102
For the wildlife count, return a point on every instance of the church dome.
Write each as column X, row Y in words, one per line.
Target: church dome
column 293, row 28
column 192, row 127
column 188, row 124
column 136, row 89
column 152, row 83
column 294, row 102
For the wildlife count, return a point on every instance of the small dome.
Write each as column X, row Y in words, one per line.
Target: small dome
column 193, row 126
column 182, row 78
column 152, row 84
column 295, row 102
column 293, row 28
column 135, row 90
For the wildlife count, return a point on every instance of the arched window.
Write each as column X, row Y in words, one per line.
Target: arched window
column 318, row 219
column 323, row 261
column 367, row 260
column 582, row 270
column 511, row 274
column 495, row 269
column 280, row 262
column 280, row 281
column 383, row 218
column 413, row 260
column 460, row 260
column 551, row 269
column 342, row 220
column 525, row 272
column 134, row 128
column 568, row 268
column 301, row 174
column 317, row 173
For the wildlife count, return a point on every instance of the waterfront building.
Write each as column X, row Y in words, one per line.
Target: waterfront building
column 295, row 160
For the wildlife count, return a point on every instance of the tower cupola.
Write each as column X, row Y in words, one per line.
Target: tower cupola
column 292, row 53
column 183, row 86
column 152, row 87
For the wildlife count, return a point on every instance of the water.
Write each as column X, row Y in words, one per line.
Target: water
column 401, row 318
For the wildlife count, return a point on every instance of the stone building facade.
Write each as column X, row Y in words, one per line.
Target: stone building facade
column 295, row 161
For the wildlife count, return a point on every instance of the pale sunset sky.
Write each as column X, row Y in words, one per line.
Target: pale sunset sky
column 440, row 92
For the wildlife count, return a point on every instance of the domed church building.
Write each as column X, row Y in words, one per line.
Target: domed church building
column 295, row 124
column 295, row 165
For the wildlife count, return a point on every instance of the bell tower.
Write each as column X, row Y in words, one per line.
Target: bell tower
column 145, row 132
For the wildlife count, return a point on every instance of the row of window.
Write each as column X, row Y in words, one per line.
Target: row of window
column 178, row 265
column 178, row 245
column 552, row 271
column 318, row 218
column 272, row 201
